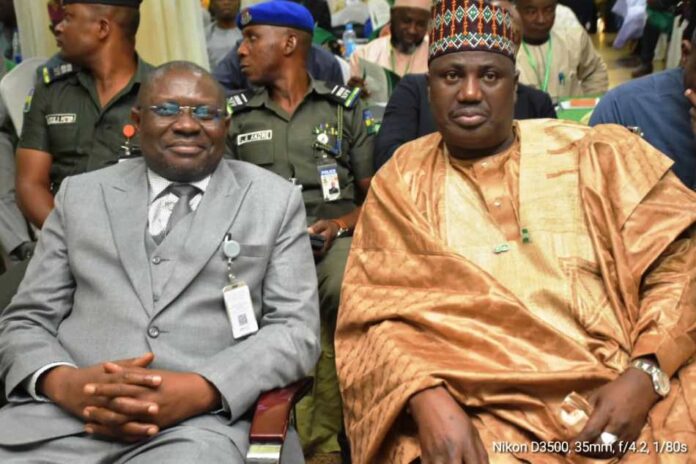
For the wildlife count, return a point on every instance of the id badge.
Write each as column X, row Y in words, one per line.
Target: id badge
column 240, row 311
column 330, row 187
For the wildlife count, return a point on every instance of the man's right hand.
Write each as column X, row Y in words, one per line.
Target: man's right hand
column 65, row 386
column 446, row 433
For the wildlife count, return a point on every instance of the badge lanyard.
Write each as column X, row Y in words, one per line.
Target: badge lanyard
column 236, row 295
column 533, row 64
column 327, row 167
column 392, row 58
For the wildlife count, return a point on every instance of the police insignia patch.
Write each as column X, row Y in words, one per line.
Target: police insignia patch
column 370, row 123
column 245, row 18
column 27, row 100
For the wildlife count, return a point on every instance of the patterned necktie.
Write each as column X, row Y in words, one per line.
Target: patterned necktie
column 185, row 192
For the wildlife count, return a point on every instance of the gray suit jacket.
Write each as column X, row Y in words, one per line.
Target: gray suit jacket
column 87, row 295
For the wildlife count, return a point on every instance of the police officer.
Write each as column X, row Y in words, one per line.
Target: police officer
column 74, row 117
column 318, row 136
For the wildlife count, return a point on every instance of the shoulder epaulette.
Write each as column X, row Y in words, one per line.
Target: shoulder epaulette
column 51, row 74
column 239, row 101
column 346, row 96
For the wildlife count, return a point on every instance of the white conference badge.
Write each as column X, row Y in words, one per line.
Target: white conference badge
column 236, row 295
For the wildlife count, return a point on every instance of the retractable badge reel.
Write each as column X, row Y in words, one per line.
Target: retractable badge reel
column 237, row 297
column 128, row 151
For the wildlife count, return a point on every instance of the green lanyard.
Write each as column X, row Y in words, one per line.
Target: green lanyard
column 393, row 61
column 533, row 64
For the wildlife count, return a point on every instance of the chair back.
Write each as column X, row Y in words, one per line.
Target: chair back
column 15, row 87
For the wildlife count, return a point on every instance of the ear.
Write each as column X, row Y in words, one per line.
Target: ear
column 104, row 28
column 686, row 50
column 290, row 44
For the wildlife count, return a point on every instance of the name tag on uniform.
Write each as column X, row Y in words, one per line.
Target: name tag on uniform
column 61, row 118
column 240, row 311
column 257, row 136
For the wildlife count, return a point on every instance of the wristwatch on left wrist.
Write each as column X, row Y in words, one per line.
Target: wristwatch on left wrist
column 659, row 379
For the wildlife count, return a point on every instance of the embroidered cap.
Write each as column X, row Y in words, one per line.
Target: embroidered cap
column 472, row 25
column 280, row 13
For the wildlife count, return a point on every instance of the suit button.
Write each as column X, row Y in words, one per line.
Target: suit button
column 155, row 298
column 153, row 331
column 156, row 260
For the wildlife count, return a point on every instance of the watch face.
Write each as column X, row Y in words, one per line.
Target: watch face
column 661, row 383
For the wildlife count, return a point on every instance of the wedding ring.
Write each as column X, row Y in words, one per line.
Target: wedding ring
column 608, row 438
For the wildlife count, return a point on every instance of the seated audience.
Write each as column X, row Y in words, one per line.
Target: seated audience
column 405, row 51
column 560, row 61
column 660, row 19
column 319, row 137
column 657, row 107
column 517, row 284
column 119, row 346
column 222, row 34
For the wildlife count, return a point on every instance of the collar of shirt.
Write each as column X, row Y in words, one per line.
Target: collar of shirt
column 160, row 208
column 158, row 183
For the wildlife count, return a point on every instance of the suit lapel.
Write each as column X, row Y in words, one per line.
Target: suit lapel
column 212, row 220
column 127, row 201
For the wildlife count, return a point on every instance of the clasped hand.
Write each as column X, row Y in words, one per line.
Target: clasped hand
column 127, row 401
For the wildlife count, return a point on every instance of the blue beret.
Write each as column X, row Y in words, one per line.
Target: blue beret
column 277, row 13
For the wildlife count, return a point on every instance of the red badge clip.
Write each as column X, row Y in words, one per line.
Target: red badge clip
column 128, row 133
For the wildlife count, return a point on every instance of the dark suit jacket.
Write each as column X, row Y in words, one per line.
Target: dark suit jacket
column 408, row 115
column 322, row 65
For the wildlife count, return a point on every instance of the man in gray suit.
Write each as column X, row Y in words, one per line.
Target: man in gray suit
column 119, row 346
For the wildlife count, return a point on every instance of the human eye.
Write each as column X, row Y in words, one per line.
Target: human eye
column 166, row 109
column 451, row 76
column 205, row 113
column 490, row 75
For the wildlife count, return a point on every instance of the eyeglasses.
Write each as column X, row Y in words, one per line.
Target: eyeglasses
column 199, row 113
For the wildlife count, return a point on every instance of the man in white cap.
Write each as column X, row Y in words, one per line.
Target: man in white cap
column 405, row 51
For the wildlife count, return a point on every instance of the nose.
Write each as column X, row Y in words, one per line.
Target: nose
column 185, row 123
column 412, row 28
column 59, row 27
column 470, row 90
column 243, row 49
column 540, row 18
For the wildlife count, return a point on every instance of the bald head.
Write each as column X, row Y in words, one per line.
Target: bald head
column 149, row 86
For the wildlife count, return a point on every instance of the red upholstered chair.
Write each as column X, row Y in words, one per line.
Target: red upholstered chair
column 271, row 421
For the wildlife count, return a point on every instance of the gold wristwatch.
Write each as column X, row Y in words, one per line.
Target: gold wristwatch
column 659, row 379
